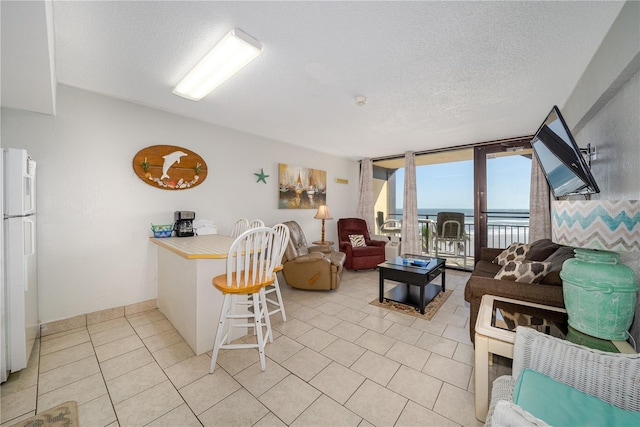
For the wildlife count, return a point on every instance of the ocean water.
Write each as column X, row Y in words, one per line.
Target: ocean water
column 502, row 229
column 520, row 217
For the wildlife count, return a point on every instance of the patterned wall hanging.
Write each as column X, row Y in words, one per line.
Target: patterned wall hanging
column 612, row 225
column 169, row 167
column 301, row 188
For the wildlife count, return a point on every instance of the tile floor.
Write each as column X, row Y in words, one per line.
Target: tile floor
column 336, row 361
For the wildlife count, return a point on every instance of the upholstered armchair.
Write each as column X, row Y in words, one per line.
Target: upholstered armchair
column 310, row 267
column 362, row 252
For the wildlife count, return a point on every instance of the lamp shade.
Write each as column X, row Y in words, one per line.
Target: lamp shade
column 323, row 212
column 612, row 225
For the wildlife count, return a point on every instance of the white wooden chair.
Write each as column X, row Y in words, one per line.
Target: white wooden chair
column 256, row 223
column 251, row 267
column 282, row 234
column 239, row 227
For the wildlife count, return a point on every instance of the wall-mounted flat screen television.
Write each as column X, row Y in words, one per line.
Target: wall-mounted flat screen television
column 560, row 158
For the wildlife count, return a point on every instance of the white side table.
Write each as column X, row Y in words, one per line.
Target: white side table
column 494, row 340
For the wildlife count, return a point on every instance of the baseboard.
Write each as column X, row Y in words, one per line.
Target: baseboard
column 83, row 320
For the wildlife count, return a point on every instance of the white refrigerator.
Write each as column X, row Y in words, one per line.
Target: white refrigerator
column 20, row 322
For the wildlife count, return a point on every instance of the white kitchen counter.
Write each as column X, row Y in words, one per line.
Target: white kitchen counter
column 186, row 295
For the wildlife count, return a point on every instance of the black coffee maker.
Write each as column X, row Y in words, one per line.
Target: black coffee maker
column 183, row 223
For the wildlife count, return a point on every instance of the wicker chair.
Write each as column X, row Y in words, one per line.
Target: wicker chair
column 610, row 377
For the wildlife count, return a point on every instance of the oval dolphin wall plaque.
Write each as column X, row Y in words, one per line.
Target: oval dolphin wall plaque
column 169, row 167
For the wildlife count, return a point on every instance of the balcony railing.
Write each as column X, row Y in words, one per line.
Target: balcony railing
column 503, row 228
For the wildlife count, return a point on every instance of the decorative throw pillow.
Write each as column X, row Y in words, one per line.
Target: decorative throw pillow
column 541, row 249
column 515, row 252
column 557, row 259
column 357, row 240
column 539, row 395
column 524, row 272
column 509, row 414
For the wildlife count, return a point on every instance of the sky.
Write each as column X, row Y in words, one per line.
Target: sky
column 450, row 185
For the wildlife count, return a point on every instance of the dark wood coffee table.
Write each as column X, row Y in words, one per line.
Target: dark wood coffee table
column 415, row 287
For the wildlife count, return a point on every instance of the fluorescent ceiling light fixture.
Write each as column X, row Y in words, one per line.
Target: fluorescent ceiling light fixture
column 228, row 57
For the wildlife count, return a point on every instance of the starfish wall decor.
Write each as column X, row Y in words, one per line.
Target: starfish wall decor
column 261, row 176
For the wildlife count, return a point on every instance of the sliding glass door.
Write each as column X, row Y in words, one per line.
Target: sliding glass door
column 502, row 183
column 488, row 184
column 444, row 184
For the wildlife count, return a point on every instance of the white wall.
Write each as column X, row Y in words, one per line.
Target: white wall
column 615, row 131
column 604, row 110
column 94, row 213
column 614, row 63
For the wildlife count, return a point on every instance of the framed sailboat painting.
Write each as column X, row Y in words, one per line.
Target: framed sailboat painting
column 300, row 187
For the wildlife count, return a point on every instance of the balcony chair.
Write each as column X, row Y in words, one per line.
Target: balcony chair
column 450, row 240
column 361, row 252
column 392, row 227
column 310, row 267
column 251, row 268
column 578, row 385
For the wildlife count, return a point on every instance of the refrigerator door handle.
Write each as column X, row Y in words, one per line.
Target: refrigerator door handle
column 32, row 243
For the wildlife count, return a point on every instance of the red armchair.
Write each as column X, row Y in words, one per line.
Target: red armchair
column 359, row 258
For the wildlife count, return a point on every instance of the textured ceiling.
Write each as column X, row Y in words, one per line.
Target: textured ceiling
column 436, row 74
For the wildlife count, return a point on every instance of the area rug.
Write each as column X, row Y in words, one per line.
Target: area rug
column 429, row 311
column 63, row 415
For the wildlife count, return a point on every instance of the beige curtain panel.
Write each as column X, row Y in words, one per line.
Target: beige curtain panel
column 411, row 243
column 539, row 204
column 365, row 201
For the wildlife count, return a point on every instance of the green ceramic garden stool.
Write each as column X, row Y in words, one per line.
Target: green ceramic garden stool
column 599, row 293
